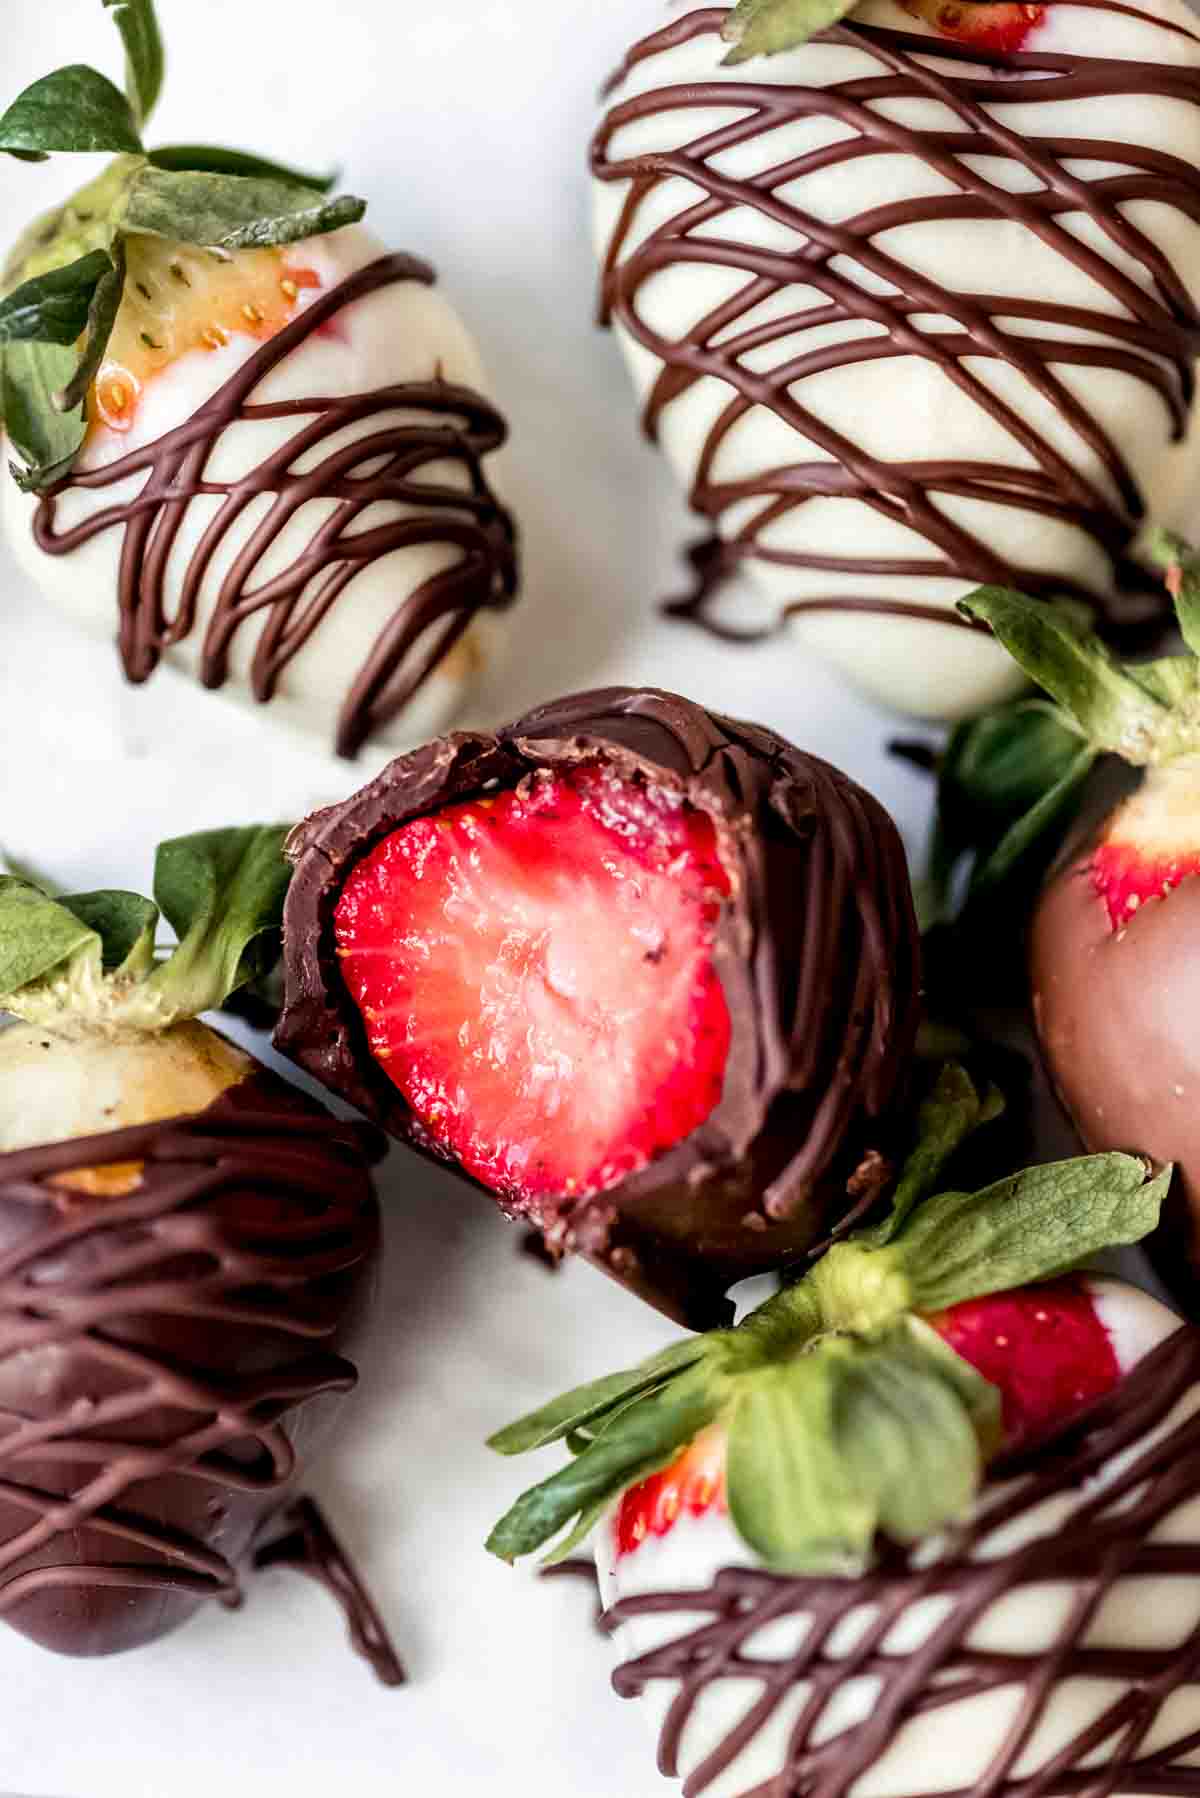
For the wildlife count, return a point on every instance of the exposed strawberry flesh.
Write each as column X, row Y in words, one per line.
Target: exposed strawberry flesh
column 1044, row 1347
column 1003, row 27
column 1125, row 877
column 178, row 298
column 535, row 973
column 691, row 1486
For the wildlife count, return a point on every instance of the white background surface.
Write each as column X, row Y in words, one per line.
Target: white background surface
column 465, row 122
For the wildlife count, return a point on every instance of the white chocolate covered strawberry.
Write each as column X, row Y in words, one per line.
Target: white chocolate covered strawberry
column 909, row 1529
column 910, row 306
column 248, row 442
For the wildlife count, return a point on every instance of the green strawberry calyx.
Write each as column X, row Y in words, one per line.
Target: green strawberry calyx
column 62, row 285
column 1011, row 777
column 90, row 963
column 846, row 1417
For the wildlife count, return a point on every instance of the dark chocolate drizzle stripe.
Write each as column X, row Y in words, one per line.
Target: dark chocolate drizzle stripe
column 310, row 1547
column 1156, row 341
column 252, row 1219
column 456, row 426
column 1107, row 1540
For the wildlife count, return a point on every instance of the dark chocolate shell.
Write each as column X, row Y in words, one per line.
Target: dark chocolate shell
column 817, row 951
column 169, row 1354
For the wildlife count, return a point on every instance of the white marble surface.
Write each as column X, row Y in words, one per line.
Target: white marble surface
column 466, row 123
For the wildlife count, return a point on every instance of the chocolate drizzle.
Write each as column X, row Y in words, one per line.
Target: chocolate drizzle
column 1153, row 335
column 1111, row 1537
column 311, row 1548
column 161, row 1353
column 817, row 953
column 386, row 464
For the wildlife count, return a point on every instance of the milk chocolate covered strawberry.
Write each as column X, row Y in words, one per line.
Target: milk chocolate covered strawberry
column 1114, row 934
column 645, row 974
column 909, row 1529
column 187, row 1247
column 246, row 440
column 910, row 297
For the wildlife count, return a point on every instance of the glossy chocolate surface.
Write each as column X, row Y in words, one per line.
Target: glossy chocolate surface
column 816, row 950
column 171, row 1349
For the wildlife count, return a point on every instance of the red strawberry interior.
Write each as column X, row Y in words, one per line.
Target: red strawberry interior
column 535, row 973
column 1044, row 1347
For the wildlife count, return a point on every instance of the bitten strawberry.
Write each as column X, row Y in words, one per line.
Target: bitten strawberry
column 536, row 974
column 188, row 1245
column 646, row 974
column 245, row 440
column 869, row 1494
column 1114, row 936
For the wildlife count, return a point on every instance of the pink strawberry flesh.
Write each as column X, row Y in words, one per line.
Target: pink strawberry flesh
column 1044, row 1348
column 535, row 973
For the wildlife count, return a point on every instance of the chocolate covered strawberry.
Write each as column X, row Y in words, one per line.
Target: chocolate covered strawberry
column 246, row 440
column 911, row 300
column 187, row 1246
column 647, row 975
column 1114, row 935
column 908, row 1529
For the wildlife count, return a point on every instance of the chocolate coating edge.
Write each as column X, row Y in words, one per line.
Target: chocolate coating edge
column 823, row 1019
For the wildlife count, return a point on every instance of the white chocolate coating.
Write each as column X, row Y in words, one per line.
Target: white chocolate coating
column 403, row 332
column 906, row 408
column 950, row 1747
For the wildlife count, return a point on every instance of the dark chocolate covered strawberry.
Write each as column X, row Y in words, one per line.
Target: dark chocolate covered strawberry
column 246, row 441
column 905, row 1529
column 1115, row 940
column 647, row 975
column 187, row 1248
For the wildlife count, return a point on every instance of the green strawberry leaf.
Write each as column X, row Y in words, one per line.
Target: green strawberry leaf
column 214, row 159
column 591, row 1404
column 845, row 1414
column 53, row 308
column 39, row 937
column 75, row 109
column 950, row 1113
column 577, row 1536
column 913, row 1423
column 640, row 1439
column 1077, row 669
column 1181, row 565
column 222, row 893
column 47, row 440
column 1027, row 1227
column 88, row 961
column 1051, row 812
column 1004, row 779
column 765, row 27
column 126, row 924
column 144, row 57
column 793, row 1497
column 233, row 212
column 102, row 316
